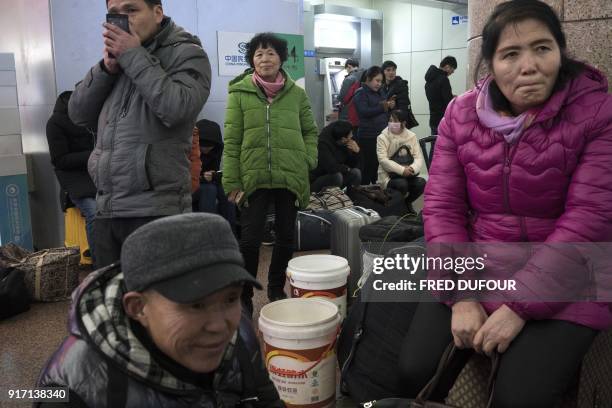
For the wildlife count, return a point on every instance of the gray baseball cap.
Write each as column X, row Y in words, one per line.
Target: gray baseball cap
column 184, row 257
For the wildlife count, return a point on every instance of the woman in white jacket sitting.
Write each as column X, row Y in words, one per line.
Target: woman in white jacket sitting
column 400, row 159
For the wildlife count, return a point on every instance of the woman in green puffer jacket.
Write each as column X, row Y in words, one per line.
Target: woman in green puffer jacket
column 270, row 147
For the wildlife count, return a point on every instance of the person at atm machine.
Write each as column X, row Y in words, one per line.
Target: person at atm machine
column 354, row 75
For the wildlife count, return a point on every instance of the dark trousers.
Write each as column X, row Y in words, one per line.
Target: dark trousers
column 109, row 235
column 535, row 371
column 253, row 218
column 369, row 160
column 212, row 199
column 413, row 186
column 352, row 178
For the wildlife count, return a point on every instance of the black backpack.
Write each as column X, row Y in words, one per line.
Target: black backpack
column 393, row 229
column 370, row 343
column 14, row 296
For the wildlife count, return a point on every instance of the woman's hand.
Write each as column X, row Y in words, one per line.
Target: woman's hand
column 467, row 319
column 352, row 146
column 498, row 331
column 235, row 196
column 408, row 171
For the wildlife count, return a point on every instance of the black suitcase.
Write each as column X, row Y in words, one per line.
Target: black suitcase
column 394, row 205
column 312, row 230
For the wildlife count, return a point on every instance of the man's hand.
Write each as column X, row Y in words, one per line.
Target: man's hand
column 111, row 64
column 353, row 146
column 498, row 331
column 117, row 41
column 208, row 176
column 408, row 171
column 467, row 318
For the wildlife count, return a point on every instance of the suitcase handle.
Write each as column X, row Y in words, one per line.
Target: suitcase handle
column 364, row 210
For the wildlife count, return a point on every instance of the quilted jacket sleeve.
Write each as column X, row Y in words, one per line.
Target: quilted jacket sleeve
column 234, row 130
column 89, row 96
column 415, row 148
column 176, row 95
column 309, row 131
column 195, row 160
column 587, row 218
column 446, row 208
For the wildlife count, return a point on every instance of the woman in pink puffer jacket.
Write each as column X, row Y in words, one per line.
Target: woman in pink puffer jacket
column 526, row 156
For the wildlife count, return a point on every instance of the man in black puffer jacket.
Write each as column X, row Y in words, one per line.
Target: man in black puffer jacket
column 165, row 330
column 70, row 146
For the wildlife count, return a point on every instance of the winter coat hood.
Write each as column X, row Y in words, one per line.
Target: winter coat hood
column 434, row 73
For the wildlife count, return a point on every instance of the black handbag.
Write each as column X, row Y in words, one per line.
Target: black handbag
column 405, row 159
column 14, row 296
column 421, row 400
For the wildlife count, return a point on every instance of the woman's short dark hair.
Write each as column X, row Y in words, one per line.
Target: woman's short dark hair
column 514, row 12
column 389, row 64
column 267, row 40
column 399, row 115
column 337, row 130
column 371, row 72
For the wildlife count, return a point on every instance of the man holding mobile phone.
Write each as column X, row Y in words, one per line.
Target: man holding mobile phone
column 144, row 97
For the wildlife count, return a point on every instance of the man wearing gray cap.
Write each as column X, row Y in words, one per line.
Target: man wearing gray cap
column 164, row 327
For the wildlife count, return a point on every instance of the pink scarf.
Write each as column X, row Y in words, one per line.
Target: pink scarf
column 270, row 88
column 511, row 127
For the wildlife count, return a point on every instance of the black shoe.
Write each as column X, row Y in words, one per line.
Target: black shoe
column 275, row 294
column 410, row 208
column 269, row 237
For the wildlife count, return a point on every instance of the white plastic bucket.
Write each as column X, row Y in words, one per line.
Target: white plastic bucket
column 299, row 338
column 322, row 276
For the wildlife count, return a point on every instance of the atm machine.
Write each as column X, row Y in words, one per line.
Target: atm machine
column 333, row 71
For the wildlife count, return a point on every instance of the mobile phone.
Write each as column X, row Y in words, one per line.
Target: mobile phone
column 120, row 20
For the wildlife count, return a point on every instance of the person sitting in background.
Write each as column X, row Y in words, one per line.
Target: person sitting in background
column 354, row 75
column 70, row 146
column 394, row 85
column 373, row 108
column 401, row 159
column 211, row 196
column 338, row 158
column 524, row 157
column 163, row 328
column 438, row 90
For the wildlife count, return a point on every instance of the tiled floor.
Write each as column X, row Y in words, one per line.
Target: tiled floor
column 27, row 340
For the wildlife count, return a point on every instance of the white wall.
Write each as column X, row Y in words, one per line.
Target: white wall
column 77, row 34
column 417, row 34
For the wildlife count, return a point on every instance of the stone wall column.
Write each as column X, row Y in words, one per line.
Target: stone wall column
column 587, row 25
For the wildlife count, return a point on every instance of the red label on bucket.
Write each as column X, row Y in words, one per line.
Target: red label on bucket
column 328, row 293
column 303, row 378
